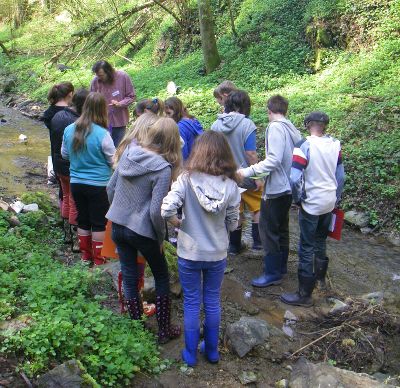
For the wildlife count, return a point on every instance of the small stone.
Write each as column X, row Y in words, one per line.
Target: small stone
column 282, row 384
column 289, row 367
column 289, row 316
column 338, row 306
column 67, row 375
column 373, row 297
column 366, row 230
column 4, row 205
column 32, row 207
column 247, row 377
column 395, row 240
column 17, row 206
column 348, row 342
column 14, row 221
column 356, row 218
column 228, row 270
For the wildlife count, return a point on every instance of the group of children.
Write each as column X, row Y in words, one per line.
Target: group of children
column 166, row 168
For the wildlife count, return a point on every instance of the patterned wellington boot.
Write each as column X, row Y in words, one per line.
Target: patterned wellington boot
column 166, row 331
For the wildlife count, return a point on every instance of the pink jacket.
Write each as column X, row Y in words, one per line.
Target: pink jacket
column 121, row 90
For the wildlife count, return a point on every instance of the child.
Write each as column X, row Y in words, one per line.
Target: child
column 140, row 182
column 280, row 137
column 317, row 179
column 221, row 92
column 89, row 148
column 241, row 135
column 155, row 106
column 189, row 127
column 210, row 197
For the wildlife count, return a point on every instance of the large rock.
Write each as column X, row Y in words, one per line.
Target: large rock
column 306, row 374
column 67, row 375
column 8, row 84
column 243, row 335
column 359, row 219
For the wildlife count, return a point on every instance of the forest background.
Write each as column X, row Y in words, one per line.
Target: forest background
column 340, row 56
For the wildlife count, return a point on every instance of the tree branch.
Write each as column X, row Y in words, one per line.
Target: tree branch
column 172, row 13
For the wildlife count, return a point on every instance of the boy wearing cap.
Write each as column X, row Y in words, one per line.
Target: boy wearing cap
column 317, row 179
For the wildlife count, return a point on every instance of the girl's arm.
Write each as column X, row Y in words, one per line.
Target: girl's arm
column 108, row 148
column 160, row 190
column 174, row 200
column 232, row 211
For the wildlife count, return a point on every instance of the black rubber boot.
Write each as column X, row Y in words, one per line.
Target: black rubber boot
column 67, row 232
column 166, row 331
column 321, row 267
column 285, row 257
column 255, row 234
column 303, row 297
column 235, row 242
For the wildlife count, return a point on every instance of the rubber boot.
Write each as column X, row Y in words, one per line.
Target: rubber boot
column 189, row 353
column 272, row 271
column 67, row 231
column 209, row 347
column 255, row 233
column 321, row 268
column 98, row 259
column 75, row 241
column 135, row 308
column 85, row 246
column 166, row 331
column 285, row 257
column 303, row 297
column 235, row 242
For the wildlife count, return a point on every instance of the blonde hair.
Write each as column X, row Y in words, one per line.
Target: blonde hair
column 137, row 132
column 163, row 138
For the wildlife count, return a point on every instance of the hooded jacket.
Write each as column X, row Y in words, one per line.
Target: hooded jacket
column 136, row 190
column 189, row 129
column 210, row 210
column 59, row 122
column 280, row 139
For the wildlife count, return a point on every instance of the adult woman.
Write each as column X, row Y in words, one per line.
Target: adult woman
column 189, row 127
column 117, row 89
column 58, row 124
column 136, row 190
column 90, row 150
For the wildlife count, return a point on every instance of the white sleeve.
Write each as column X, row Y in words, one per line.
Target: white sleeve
column 108, row 148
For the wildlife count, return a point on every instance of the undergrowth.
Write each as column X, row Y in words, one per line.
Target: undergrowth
column 50, row 314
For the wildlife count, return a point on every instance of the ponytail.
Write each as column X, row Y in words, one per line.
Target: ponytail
column 59, row 91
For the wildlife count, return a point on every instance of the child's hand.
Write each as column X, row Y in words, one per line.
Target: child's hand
column 240, row 175
column 175, row 221
column 259, row 184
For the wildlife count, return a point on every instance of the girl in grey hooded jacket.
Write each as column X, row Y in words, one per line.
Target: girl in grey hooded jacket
column 210, row 198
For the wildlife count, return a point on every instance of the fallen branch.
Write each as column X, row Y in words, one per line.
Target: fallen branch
column 5, row 50
column 372, row 98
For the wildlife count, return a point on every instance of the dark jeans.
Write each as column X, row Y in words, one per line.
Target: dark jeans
column 117, row 133
column 274, row 224
column 92, row 205
column 313, row 233
column 201, row 281
column 128, row 244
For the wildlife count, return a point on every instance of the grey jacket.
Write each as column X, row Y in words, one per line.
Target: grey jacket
column 280, row 139
column 210, row 210
column 136, row 190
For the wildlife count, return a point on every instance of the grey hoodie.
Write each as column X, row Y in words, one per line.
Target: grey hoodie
column 280, row 139
column 136, row 190
column 210, row 210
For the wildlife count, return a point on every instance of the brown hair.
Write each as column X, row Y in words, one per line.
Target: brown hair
column 138, row 131
column 163, row 138
column 278, row 104
column 179, row 109
column 156, row 106
column 211, row 154
column 79, row 99
column 59, row 91
column 94, row 111
column 238, row 101
column 224, row 88
column 107, row 68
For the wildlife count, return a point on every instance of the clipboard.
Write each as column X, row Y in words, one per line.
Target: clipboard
column 336, row 225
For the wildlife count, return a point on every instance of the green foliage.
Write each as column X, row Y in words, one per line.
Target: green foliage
column 42, row 199
column 4, row 224
column 63, row 319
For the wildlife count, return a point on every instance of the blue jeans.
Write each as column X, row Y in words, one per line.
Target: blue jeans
column 194, row 291
column 128, row 244
column 117, row 133
column 313, row 233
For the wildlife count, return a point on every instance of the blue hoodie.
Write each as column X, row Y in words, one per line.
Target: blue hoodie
column 189, row 129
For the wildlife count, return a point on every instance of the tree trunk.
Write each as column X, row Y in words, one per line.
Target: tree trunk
column 208, row 42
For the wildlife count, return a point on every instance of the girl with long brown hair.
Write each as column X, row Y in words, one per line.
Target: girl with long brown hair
column 90, row 150
column 140, row 182
column 210, row 198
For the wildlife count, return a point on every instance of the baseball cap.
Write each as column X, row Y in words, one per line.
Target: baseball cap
column 316, row 116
